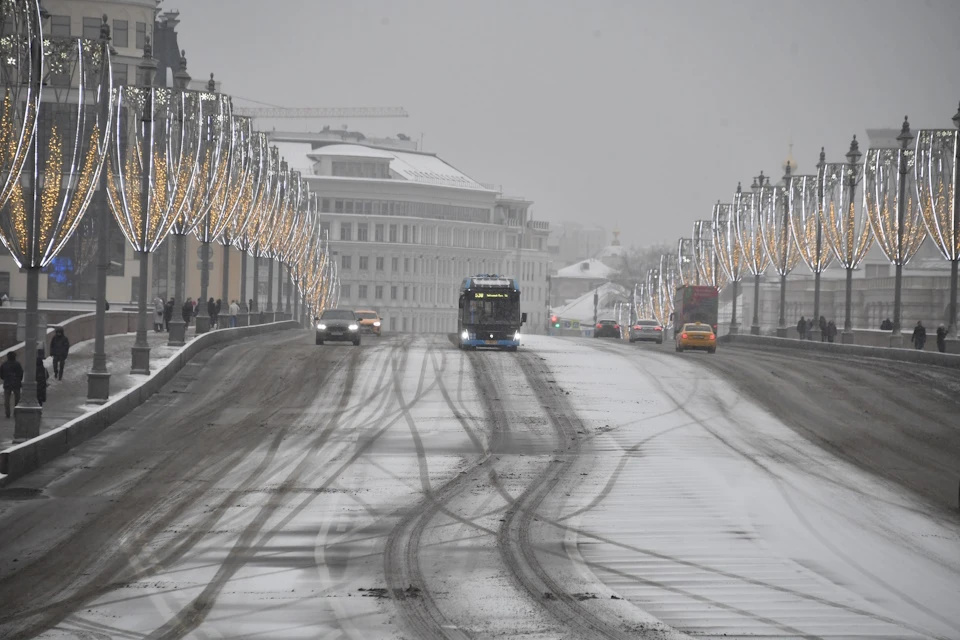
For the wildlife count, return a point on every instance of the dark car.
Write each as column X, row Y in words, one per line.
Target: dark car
column 647, row 330
column 607, row 329
column 338, row 324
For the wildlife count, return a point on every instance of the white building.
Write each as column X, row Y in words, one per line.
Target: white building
column 406, row 228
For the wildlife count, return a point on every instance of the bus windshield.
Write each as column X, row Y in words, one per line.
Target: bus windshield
column 495, row 311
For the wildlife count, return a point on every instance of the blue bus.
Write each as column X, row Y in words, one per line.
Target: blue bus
column 488, row 313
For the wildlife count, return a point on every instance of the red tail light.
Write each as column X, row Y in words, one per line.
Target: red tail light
column 637, row 327
column 713, row 337
column 658, row 328
column 616, row 326
column 599, row 326
column 683, row 335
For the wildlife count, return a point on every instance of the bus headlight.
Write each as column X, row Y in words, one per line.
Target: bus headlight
column 353, row 327
column 516, row 336
column 465, row 335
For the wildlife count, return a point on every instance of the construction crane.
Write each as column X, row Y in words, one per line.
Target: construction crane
column 321, row 112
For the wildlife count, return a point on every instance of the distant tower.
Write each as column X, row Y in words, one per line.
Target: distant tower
column 616, row 238
column 789, row 164
column 165, row 47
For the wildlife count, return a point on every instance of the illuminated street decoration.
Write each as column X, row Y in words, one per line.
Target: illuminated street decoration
column 746, row 209
column 686, row 262
column 806, row 223
column 778, row 244
column 668, row 283
column 654, row 299
column 704, row 249
column 845, row 223
column 938, row 187
column 893, row 209
column 729, row 253
column 21, row 66
column 241, row 229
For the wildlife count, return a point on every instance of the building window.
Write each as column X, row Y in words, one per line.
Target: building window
column 362, row 232
column 338, row 206
column 406, row 265
column 348, row 206
column 406, row 293
column 364, row 263
column 346, row 231
column 121, row 34
column 395, row 264
column 404, row 323
column 91, row 28
column 362, row 291
column 5, row 283
column 345, row 291
column 324, row 229
column 393, row 323
column 345, row 262
column 378, row 292
column 393, row 233
column 325, row 205
column 141, row 35
column 380, row 263
column 119, row 74
column 378, row 233
column 60, row 27
column 406, row 233
column 393, row 292
column 414, row 297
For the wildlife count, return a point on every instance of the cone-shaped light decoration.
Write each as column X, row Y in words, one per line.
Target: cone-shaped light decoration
column 687, row 263
column 938, row 186
column 21, row 66
column 708, row 262
column 668, row 283
column 846, row 223
column 654, row 298
column 72, row 147
column 729, row 254
column 892, row 205
column 746, row 207
column 777, row 241
column 806, row 221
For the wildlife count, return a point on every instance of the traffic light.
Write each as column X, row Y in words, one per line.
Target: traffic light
column 555, row 321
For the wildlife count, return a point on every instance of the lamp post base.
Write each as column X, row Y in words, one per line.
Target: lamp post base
column 847, row 337
column 203, row 324
column 141, row 360
column 896, row 340
column 243, row 319
column 98, row 387
column 26, row 423
column 781, row 332
column 266, row 317
column 734, row 329
column 754, row 329
column 178, row 334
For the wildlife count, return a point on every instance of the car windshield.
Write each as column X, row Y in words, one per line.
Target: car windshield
column 608, row 322
column 705, row 328
column 497, row 311
column 648, row 323
column 338, row 314
column 367, row 315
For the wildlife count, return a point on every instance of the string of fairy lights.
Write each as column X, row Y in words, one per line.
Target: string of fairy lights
column 898, row 198
column 177, row 161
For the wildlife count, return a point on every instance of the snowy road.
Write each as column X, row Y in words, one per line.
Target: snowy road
column 577, row 489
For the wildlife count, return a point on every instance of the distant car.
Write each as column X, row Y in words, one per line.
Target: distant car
column 696, row 335
column 369, row 321
column 338, row 324
column 607, row 329
column 646, row 331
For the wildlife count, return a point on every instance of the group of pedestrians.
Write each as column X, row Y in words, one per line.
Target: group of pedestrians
column 828, row 332
column 163, row 312
column 828, row 329
column 919, row 337
column 11, row 371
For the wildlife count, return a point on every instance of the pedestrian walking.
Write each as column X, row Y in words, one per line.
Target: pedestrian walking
column 212, row 311
column 168, row 314
column 42, row 377
column 831, row 331
column 4, row 299
column 187, row 311
column 823, row 329
column 919, row 336
column 59, row 350
column 802, row 328
column 12, row 375
column 942, row 339
column 234, row 310
column 219, row 307
column 250, row 305
column 158, row 314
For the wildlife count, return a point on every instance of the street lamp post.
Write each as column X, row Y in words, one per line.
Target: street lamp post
column 746, row 209
column 779, row 246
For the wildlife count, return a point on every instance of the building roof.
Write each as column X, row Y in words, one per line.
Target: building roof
column 424, row 168
column 582, row 308
column 591, row 268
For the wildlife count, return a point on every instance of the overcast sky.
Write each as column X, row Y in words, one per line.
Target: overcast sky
column 636, row 115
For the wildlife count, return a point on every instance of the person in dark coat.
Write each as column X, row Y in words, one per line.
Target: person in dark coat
column 167, row 314
column 823, row 329
column 217, row 315
column 802, row 328
column 187, row 311
column 212, row 312
column 942, row 339
column 12, row 375
column 42, row 377
column 59, row 349
column 919, row 336
column 831, row 331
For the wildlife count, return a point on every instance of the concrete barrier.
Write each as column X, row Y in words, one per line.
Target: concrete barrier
column 81, row 327
column 933, row 358
column 28, row 456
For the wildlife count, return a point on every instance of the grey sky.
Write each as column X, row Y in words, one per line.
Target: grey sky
column 637, row 115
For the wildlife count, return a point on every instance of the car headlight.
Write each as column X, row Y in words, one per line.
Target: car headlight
column 465, row 335
column 353, row 327
column 376, row 323
column 516, row 336
column 321, row 326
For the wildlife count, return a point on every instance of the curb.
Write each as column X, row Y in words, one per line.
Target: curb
column 21, row 459
column 947, row 360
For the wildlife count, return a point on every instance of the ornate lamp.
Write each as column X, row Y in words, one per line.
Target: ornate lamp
column 777, row 243
column 687, row 263
column 270, row 223
column 806, row 225
column 260, row 219
column 846, row 224
column 242, row 228
column 57, row 181
column 708, row 264
column 746, row 209
column 288, row 222
column 938, row 187
column 668, row 284
column 729, row 253
column 892, row 206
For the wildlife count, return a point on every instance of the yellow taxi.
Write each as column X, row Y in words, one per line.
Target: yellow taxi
column 696, row 335
column 369, row 321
